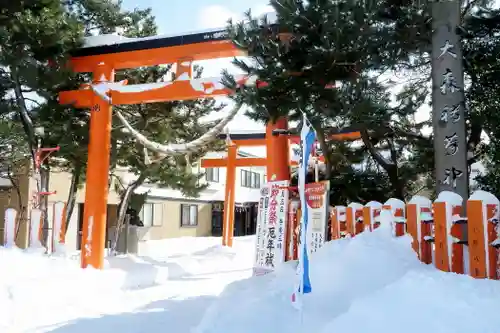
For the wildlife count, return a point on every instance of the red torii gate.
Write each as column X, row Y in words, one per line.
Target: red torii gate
column 102, row 61
column 277, row 162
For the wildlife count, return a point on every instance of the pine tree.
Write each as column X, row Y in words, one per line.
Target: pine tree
column 72, row 135
column 36, row 40
column 317, row 44
column 352, row 45
column 482, row 64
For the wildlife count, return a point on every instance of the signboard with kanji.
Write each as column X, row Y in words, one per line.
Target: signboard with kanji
column 317, row 199
column 271, row 227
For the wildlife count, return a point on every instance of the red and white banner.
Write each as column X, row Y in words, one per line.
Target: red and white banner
column 317, row 200
column 271, row 227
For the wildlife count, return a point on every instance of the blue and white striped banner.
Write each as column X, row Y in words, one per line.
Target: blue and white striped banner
column 303, row 285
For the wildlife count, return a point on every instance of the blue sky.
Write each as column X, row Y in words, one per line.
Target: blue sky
column 180, row 16
column 183, row 16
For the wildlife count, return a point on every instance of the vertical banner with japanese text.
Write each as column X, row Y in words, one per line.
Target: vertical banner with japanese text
column 271, row 227
column 317, row 199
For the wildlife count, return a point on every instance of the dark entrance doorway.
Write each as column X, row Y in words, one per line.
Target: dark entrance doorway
column 245, row 219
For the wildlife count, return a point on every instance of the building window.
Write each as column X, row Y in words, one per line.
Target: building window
column 244, row 178
column 250, row 179
column 189, row 215
column 212, row 175
column 147, row 214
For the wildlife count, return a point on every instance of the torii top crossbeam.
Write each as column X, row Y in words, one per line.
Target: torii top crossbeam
column 157, row 50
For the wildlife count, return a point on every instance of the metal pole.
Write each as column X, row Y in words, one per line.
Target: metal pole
column 450, row 142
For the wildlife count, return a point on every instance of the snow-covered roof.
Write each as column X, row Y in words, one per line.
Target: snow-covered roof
column 115, row 39
column 243, row 195
column 5, row 182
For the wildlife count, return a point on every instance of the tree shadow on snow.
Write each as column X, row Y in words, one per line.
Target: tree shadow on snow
column 178, row 316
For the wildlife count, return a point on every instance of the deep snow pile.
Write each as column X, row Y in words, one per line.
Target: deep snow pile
column 371, row 283
column 36, row 288
column 166, row 282
column 201, row 255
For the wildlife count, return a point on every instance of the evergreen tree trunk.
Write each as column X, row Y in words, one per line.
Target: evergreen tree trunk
column 44, row 199
column 391, row 169
column 122, row 207
column 76, row 178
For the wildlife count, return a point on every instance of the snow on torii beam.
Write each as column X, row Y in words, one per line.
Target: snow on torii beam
column 120, row 94
column 156, row 50
column 102, row 61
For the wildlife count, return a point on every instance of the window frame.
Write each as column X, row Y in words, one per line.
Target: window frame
column 142, row 216
column 243, row 178
column 157, row 220
column 250, row 179
column 190, row 210
column 212, row 175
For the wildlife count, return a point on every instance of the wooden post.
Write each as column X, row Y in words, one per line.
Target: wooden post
column 457, row 234
column 426, row 231
column 335, row 225
column 370, row 212
column 476, row 238
column 349, row 217
column 229, row 202
column 411, row 226
column 400, row 222
column 96, row 190
column 491, row 237
column 359, row 225
column 441, row 254
column 367, row 218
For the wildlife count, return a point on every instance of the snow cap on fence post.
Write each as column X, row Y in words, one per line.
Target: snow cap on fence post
column 393, row 215
column 418, row 211
column 482, row 213
column 355, row 221
column 371, row 214
column 446, row 253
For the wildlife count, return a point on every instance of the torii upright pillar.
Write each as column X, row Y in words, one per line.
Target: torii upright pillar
column 277, row 166
column 277, row 151
column 229, row 196
column 96, row 189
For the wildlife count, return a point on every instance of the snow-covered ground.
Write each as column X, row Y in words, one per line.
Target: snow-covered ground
column 372, row 283
column 169, row 286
